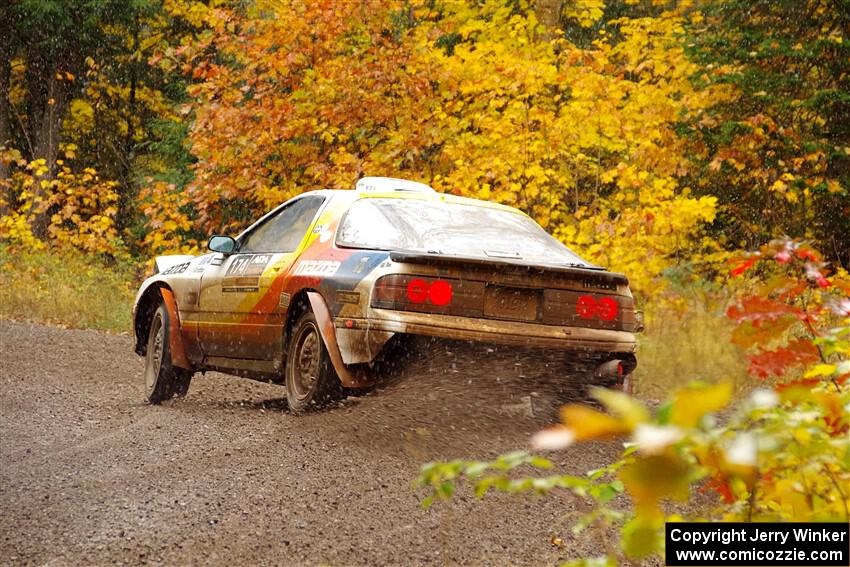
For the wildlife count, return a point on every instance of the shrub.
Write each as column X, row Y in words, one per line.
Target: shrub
column 779, row 453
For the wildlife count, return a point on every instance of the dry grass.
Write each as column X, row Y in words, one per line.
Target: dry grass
column 687, row 342
column 66, row 288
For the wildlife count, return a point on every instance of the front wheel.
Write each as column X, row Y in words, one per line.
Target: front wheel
column 162, row 380
column 311, row 380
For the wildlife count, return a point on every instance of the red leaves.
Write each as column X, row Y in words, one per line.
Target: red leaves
column 766, row 363
column 793, row 278
column 742, row 267
column 721, row 487
column 759, row 309
column 806, row 253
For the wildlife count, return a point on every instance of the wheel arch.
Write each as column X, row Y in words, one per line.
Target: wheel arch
column 299, row 303
column 313, row 300
column 159, row 293
column 147, row 304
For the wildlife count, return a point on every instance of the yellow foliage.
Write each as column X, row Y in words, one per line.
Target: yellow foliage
column 477, row 99
column 585, row 12
column 79, row 208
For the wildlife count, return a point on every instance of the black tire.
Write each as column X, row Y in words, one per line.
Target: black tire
column 311, row 381
column 162, row 380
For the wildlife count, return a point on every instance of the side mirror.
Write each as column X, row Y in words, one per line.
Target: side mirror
column 222, row 244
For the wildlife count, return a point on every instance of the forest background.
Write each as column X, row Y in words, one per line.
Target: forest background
column 659, row 138
column 654, row 137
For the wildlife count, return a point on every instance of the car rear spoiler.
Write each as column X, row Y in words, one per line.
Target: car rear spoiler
column 509, row 265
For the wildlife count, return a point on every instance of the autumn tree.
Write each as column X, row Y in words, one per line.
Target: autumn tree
column 477, row 98
column 647, row 134
column 777, row 153
column 82, row 109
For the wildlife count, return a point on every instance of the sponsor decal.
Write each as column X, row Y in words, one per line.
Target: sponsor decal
column 248, row 265
column 348, row 297
column 285, row 298
column 243, row 273
column 177, row 269
column 202, row 263
column 239, row 289
column 323, row 268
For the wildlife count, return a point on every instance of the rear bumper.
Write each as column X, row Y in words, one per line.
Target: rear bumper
column 367, row 331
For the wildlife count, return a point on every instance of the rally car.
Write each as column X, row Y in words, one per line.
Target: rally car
column 312, row 293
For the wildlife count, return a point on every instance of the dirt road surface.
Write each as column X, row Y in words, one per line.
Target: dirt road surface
column 92, row 475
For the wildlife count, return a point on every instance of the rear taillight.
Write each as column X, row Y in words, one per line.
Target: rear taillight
column 440, row 292
column 415, row 293
column 588, row 307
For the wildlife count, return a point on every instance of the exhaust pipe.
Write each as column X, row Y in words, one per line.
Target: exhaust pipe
column 611, row 371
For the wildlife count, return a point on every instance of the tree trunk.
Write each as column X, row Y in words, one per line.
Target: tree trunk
column 549, row 13
column 48, row 99
column 5, row 126
column 49, row 126
column 5, row 83
column 125, row 203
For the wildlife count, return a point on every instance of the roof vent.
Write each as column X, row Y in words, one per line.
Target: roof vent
column 388, row 184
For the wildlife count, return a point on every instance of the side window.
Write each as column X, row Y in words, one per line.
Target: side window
column 284, row 231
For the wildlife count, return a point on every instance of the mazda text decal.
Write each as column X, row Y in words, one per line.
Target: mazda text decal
column 317, row 268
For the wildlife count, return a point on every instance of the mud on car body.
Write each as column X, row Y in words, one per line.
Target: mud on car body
column 312, row 294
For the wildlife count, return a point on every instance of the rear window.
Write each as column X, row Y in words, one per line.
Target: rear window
column 449, row 228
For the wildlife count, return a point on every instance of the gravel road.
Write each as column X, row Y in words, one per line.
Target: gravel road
column 92, row 475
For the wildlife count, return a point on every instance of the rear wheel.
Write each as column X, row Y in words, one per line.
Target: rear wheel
column 162, row 380
column 311, row 381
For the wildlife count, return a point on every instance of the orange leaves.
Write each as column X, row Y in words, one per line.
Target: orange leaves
column 475, row 98
column 294, row 98
column 742, row 267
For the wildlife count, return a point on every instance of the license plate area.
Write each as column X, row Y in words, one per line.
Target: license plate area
column 513, row 303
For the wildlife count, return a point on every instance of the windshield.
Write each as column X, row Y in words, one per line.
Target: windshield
column 450, row 228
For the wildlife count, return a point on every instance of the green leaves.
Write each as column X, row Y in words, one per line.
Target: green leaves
column 484, row 475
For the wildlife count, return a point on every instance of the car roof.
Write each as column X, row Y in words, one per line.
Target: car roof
column 352, row 195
